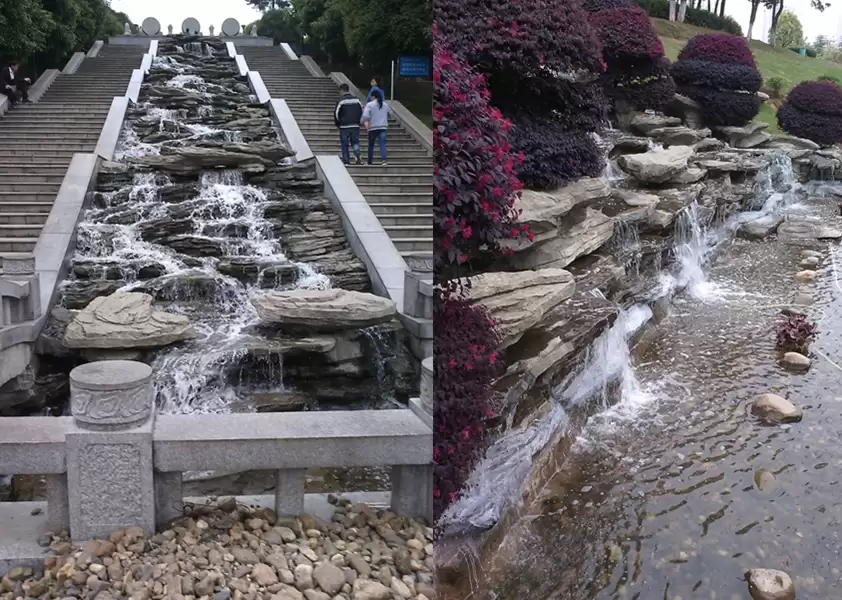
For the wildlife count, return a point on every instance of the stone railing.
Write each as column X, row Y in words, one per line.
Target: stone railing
column 20, row 310
column 116, row 464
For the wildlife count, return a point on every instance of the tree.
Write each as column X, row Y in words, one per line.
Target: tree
column 789, row 33
column 267, row 5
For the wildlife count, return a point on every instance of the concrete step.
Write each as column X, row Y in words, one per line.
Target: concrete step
column 390, row 178
column 17, row 244
column 387, row 209
column 421, row 230
column 27, row 197
column 44, row 108
column 390, row 198
column 36, row 157
column 33, row 186
column 24, row 169
column 51, row 120
column 22, row 142
column 20, row 231
column 421, row 222
column 401, row 188
column 55, row 128
column 413, row 244
column 11, row 218
column 399, row 168
column 25, row 207
column 391, row 154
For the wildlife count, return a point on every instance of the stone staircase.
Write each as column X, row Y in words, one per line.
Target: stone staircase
column 401, row 193
column 39, row 140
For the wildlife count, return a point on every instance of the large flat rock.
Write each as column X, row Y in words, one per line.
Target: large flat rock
column 519, row 300
column 195, row 159
column 656, row 166
column 578, row 237
column 324, row 310
column 125, row 320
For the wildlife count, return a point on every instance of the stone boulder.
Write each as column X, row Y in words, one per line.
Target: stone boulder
column 795, row 361
column 760, row 228
column 774, row 410
column 125, row 320
column 324, row 310
column 678, row 136
column 273, row 151
column 770, row 584
column 798, row 231
column 656, row 166
column 687, row 110
column 196, row 159
column 542, row 210
column 580, row 234
column 785, row 142
column 518, row 300
column 748, row 136
column 643, row 123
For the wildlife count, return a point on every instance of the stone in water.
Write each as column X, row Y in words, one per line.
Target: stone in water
column 231, row 27
column 190, row 25
column 324, row 309
column 770, row 584
column 764, row 479
column 795, row 361
column 774, row 410
column 805, row 276
column 151, row 26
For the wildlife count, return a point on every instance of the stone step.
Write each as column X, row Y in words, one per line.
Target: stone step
column 391, row 154
column 406, row 167
column 24, row 142
column 402, row 188
column 396, row 177
column 61, row 111
column 421, row 222
column 28, row 120
column 20, row 231
column 413, row 245
column 402, row 209
column 28, row 168
column 390, row 197
column 27, row 197
column 36, row 156
column 421, row 230
column 13, row 218
column 17, row 244
column 25, row 207
column 32, row 186
column 55, row 128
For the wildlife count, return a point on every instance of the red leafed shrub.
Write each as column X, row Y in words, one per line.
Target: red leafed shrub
column 532, row 52
column 825, row 130
column 474, row 182
column 717, row 75
column 553, row 156
column 645, row 87
column 723, row 107
column 465, row 364
column 820, row 97
column 597, row 5
column 627, row 36
column 719, row 48
column 794, row 333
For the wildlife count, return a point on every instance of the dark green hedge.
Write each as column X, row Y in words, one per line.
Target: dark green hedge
column 660, row 9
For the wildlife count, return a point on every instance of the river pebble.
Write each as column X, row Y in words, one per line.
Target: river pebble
column 243, row 553
column 795, row 361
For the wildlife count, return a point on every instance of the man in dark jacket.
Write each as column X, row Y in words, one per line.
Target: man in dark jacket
column 346, row 116
column 13, row 87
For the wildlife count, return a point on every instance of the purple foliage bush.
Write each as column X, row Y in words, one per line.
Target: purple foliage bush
column 719, row 48
column 474, row 182
column 554, row 157
column 598, row 5
column 644, row 87
column 825, row 130
column 717, row 75
column 794, row 333
column 820, row 97
column 465, row 364
column 723, row 107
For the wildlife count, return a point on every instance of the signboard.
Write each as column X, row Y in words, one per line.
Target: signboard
column 414, row 66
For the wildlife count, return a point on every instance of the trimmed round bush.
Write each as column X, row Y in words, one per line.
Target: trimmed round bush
column 813, row 110
column 718, row 48
column 465, row 364
column 598, row 5
column 717, row 75
column 636, row 69
column 554, row 157
column 820, row 97
column 717, row 70
column 474, row 183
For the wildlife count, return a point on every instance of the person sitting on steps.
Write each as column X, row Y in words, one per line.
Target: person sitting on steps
column 347, row 116
column 376, row 121
column 13, row 87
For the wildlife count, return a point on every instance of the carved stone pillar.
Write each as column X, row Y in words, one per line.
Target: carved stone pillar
column 109, row 455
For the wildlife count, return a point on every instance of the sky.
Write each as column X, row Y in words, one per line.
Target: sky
column 173, row 12
column 815, row 23
column 213, row 12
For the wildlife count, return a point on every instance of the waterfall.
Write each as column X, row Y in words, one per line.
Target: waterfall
column 497, row 480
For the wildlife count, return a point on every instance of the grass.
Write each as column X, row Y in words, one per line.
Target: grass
column 771, row 61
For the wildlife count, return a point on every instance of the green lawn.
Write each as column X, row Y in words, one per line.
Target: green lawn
column 788, row 65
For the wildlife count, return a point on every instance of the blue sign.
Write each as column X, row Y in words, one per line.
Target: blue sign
column 414, row 66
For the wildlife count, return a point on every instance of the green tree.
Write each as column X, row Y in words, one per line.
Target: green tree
column 789, row 34
column 267, row 5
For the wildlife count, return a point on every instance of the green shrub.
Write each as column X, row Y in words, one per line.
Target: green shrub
column 830, row 78
column 660, row 9
column 776, row 86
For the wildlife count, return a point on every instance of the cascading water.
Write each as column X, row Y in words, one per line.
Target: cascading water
column 204, row 242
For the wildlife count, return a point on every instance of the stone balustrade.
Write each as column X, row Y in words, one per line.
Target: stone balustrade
column 115, row 463
column 20, row 297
